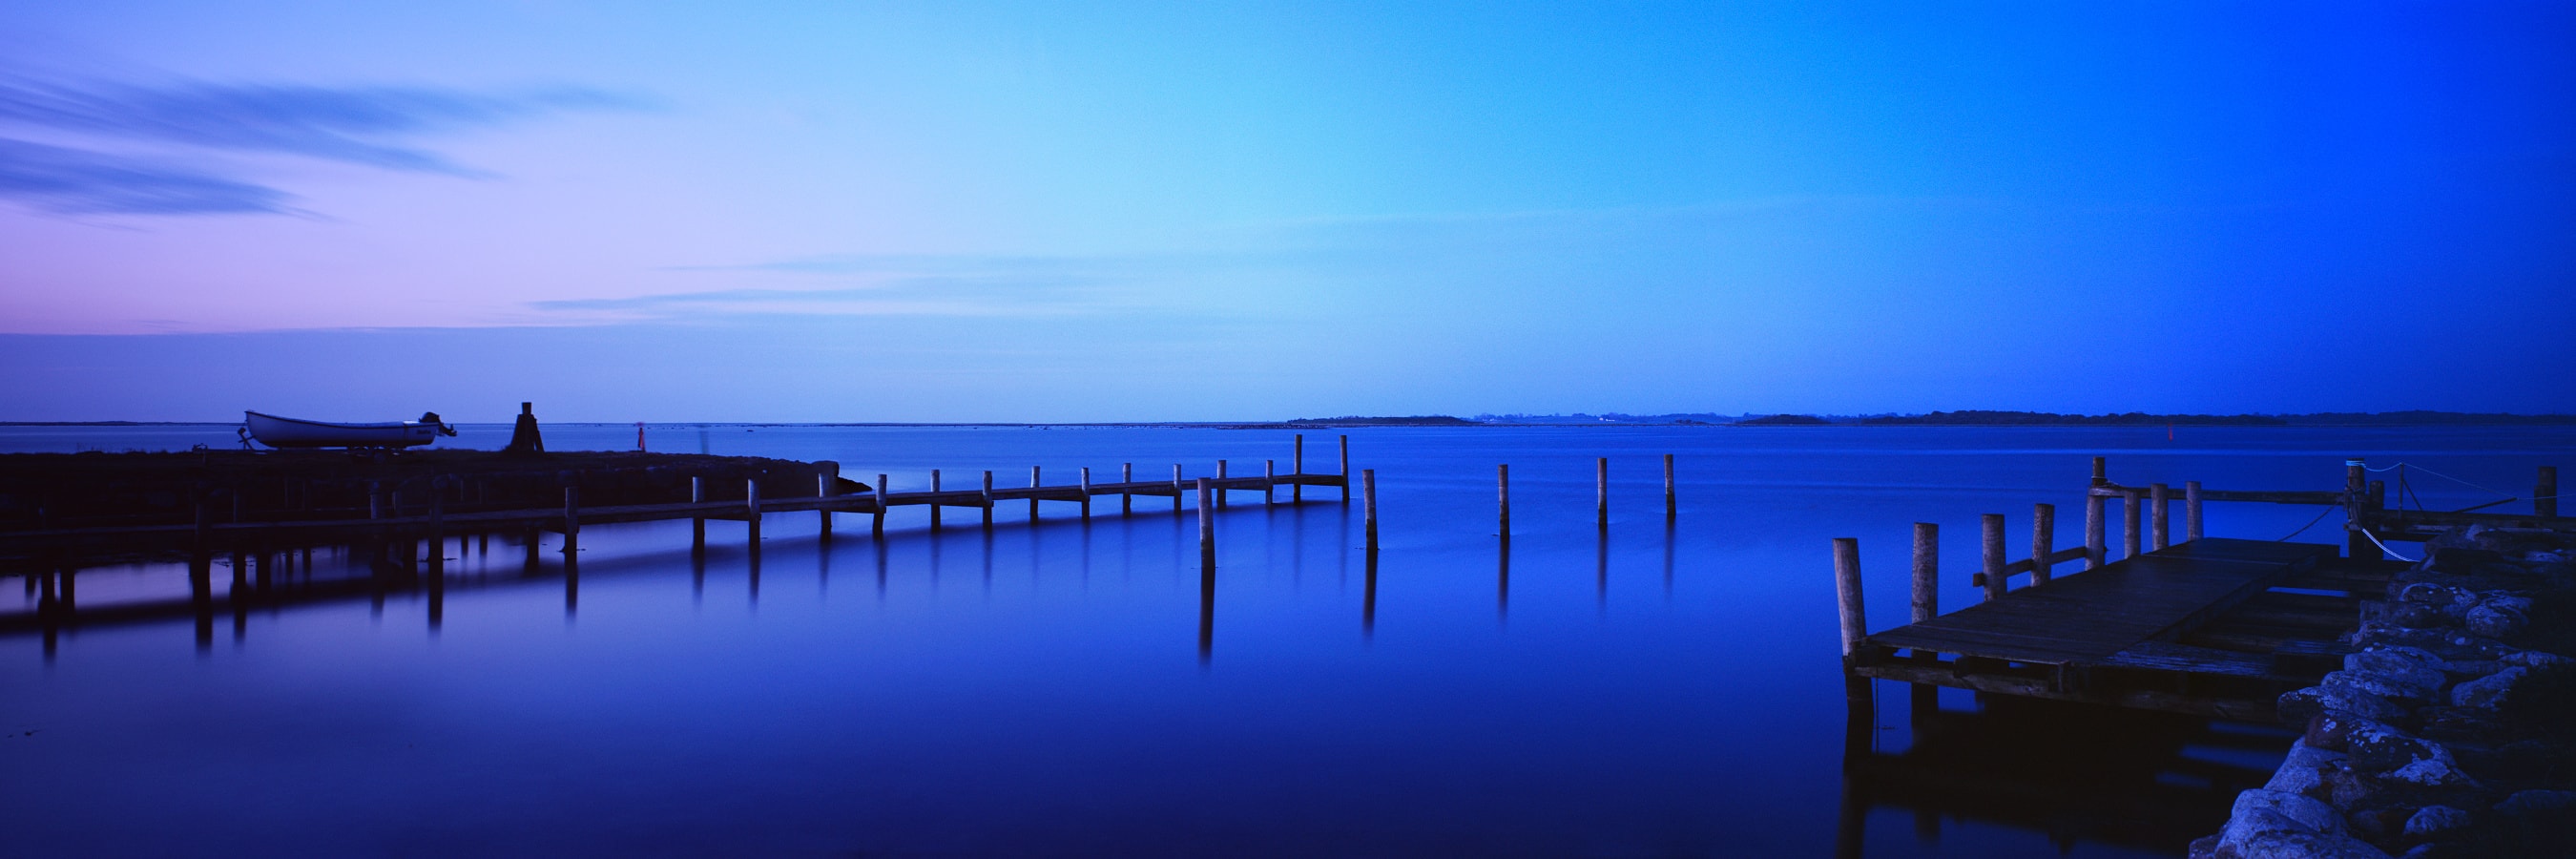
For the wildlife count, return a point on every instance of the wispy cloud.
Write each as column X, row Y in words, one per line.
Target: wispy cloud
column 89, row 162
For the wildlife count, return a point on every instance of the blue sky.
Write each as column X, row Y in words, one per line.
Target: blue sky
column 1151, row 211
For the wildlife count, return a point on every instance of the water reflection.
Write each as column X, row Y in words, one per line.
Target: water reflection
column 2080, row 774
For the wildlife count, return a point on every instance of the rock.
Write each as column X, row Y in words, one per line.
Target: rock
column 2299, row 705
column 2489, row 691
column 2470, row 669
column 2533, row 659
column 2303, row 845
column 2259, row 812
column 2457, row 722
column 2379, row 749
column 2415, row 616
column 2433, row 820
column 2416, row 684
column 2303, row 771
column 2327, row 730
column 2416, row 671
column 2494, row 621
column 2428, row 593
column 2546, row 556
column 2431, row 772
column 2444, row 643
column 2348, row 788
column 2204, row 847
column 2527, row 802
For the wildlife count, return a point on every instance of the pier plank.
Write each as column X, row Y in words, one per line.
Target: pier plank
column 2089, row 617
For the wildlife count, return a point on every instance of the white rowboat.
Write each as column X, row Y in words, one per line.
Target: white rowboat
column 275, row 431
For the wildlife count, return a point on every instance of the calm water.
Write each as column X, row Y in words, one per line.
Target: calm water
column 1663, row 691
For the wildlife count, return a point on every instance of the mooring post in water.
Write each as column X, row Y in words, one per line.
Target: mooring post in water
column 988, row 500
column 876, row 523
column 1992, row 524
column 2191, row 510
column 2544, row 492
column 1086, row 493
column 1927, row 572
column 1368, row 506
column 1033, row 496
column 1847, row 597
column 2356, row 534
column 1220, row 490
column 2132, row 503
column 1346, row 469
column 2043, row 540
column 572, row 519
column 1672, row 503
column 437, row 529
column 2160, row 514
column 827, row 478
column 1503, row 488
column 697, row 525
column 934, row 501
column 1176, row 489
column 375, row 500
column 751, row 498
column 1297, row 466
column 1601, row 493
column 1207, row 532
column 1269, row 482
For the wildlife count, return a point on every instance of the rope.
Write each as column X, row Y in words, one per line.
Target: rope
column 2321, row 516
column 2383, row 547
column 2401, row 477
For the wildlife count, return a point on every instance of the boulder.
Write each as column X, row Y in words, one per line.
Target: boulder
column 2432, row 772
column 2299, row 705
column 2303, row 771
column 2489, row 691
column 2260, row 812
column 2433, row 820
column 2526, row 802
column 2301, row 845
column 2495, row 621
column 2416, row 684
column 2428, row 593
column 2532, row 659
column 2379, row 749
column 2414, row 671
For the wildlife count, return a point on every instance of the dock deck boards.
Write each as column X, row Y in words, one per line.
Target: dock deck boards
column 2088, row 617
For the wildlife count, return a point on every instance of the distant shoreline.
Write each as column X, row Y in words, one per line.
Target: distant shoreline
column 1982, row 419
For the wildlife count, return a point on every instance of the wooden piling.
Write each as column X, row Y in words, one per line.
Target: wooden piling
column 437, row 530
column 2094, row 545
column 824, row 487
column 2131, row 503
column 1297, row 466
column 1086, row 493
column 1033, row 500
column 572, row 520
column 2160, row 514
column 1368, row 506
column 1207, row 531
column 1672, row 502
column 1126, row 500
column 2101, row 470
column 988, row 499
column 1847, row 596
column 2043, row 540
column 1503, row 487
column 2191, row 510
column 1346, row 469
column 876, row 523
column 1927, row 572
column 934, row 501
column 1992, row 526
column 2356, row 535
column 1220, row 475
column 698, row 525
column 751, row 496
column 1269, row 482
column 1601, row 493
column 2544, row 492
column 1176, row 489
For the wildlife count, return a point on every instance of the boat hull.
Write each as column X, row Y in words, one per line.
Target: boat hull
column 275, row 431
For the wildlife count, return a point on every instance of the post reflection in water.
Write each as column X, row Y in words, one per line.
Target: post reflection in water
column 1207, row 614
column 881, row 570
column 1601, row 574
column 1502, row 583
column 1668, row 561
column 1368, row 602
column 2078, row 773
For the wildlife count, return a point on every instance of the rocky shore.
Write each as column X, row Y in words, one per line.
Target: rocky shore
column 2451, row 729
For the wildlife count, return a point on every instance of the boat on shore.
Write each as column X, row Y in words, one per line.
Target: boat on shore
column 275, row 431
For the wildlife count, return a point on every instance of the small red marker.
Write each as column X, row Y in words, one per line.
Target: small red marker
column 639, row 436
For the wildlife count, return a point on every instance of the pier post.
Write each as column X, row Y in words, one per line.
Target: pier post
column 1503, row 487
column 876, row 524
column 1672, row 503
column 375, row 500
column 1992, row 524
column 2544, row 492
column 1847, row 597
column 1368, row 506
column 1086, row 493
column 1220, row 490
column 2095, row 547
column 698, row 525
column 437, row 530
column 1346, row 469
column 827, row 478
column 2160, row 514
column 572, row 520
column 2191, row 510
column 1269, row 482
column 1601, row 493
column 2101, row 471
column 988, row 500
column 2131, row 501
column 1176, row 489
column 1207, row 532
column 1927, row 572
column 934, row 501
column 2356, row 537
column 1297, row 466
column 2043, row 540
column 1033, row 498
column 1126, row 499
column 751, row 497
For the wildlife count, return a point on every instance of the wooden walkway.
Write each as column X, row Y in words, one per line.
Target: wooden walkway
column 2133, row 632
